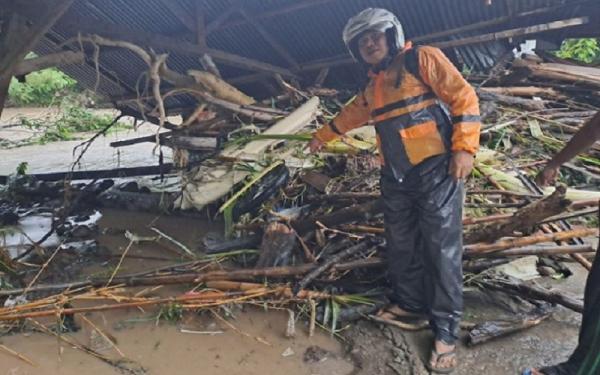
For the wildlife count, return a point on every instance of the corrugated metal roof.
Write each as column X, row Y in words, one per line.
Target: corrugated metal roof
column 308, row 34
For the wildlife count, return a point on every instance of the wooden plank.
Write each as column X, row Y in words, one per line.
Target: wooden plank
column 556, row 25
column 166, row 168
column 269, row 38
column 49, row 61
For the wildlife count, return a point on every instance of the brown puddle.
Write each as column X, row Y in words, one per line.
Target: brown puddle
column 163, row 349
column 253, row 342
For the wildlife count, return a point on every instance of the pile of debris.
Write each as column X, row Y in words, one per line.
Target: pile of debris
column 307, row 230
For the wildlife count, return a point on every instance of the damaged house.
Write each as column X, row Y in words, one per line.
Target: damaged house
column 237, row 215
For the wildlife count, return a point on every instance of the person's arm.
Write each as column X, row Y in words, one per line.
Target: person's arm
column 354, row 115
column 450, row 86
column 580, row 142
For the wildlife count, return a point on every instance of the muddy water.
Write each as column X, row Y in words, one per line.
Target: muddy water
column 215, row 348
column 253, row 342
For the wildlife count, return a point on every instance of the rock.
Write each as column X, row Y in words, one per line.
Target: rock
column 316, row 354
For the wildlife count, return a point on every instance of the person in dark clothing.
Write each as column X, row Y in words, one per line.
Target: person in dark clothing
column 426, row 154
column 585, row 360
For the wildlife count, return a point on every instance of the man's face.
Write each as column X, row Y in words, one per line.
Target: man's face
column 373, row 47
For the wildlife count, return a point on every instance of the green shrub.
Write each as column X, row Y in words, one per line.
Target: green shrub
column 586, row 50
column 43, row 87
column 73, row 119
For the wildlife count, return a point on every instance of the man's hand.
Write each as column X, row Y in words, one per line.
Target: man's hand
column 547, row 176
column 461, row 165
column 315, row 145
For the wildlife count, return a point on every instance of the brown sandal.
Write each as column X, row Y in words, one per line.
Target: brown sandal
column 435, row 360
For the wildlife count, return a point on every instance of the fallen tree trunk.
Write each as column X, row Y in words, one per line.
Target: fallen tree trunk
column 524, row 218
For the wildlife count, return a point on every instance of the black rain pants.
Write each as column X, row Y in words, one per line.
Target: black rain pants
column 585, row 360
column 423, row 225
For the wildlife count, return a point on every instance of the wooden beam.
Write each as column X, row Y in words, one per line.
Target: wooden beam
column 345, row 59
column 269, row 38
column 200, row 25
column 158, row 41
column 24, row 23
column 181, row 14
column 298, row 5
column 321, row 77
column 49, row 61
column 218, row 22
column 550, row 26
column 247, row 63
column 24, row 27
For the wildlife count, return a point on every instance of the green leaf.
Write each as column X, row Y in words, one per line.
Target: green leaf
column 535, row 129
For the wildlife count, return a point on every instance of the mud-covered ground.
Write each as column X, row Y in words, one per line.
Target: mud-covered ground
column 253, row 341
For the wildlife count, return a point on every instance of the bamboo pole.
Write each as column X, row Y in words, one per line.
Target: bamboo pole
column 524, row 241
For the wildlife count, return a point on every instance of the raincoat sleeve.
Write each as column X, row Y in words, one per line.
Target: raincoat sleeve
column 450, row 86
column 352, row 116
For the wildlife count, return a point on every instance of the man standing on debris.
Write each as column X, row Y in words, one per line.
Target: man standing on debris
column 426, row 154
column 585, row 360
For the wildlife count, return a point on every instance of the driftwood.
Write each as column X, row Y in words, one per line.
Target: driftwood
column 531, row 291
column 149, row 279
column 523, row 218
column 524, row 241
column 219, row 245
column 312, row 275
column 490, row 330
column 359, row 212
column 277, row 245
column 524, row 91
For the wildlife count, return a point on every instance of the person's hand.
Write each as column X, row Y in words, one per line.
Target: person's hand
column 547, row 176
column 461, row 165
column 315, row 145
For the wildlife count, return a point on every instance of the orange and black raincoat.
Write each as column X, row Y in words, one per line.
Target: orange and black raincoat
column 411, row 123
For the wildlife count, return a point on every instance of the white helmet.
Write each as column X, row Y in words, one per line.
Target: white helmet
column 373, row 19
